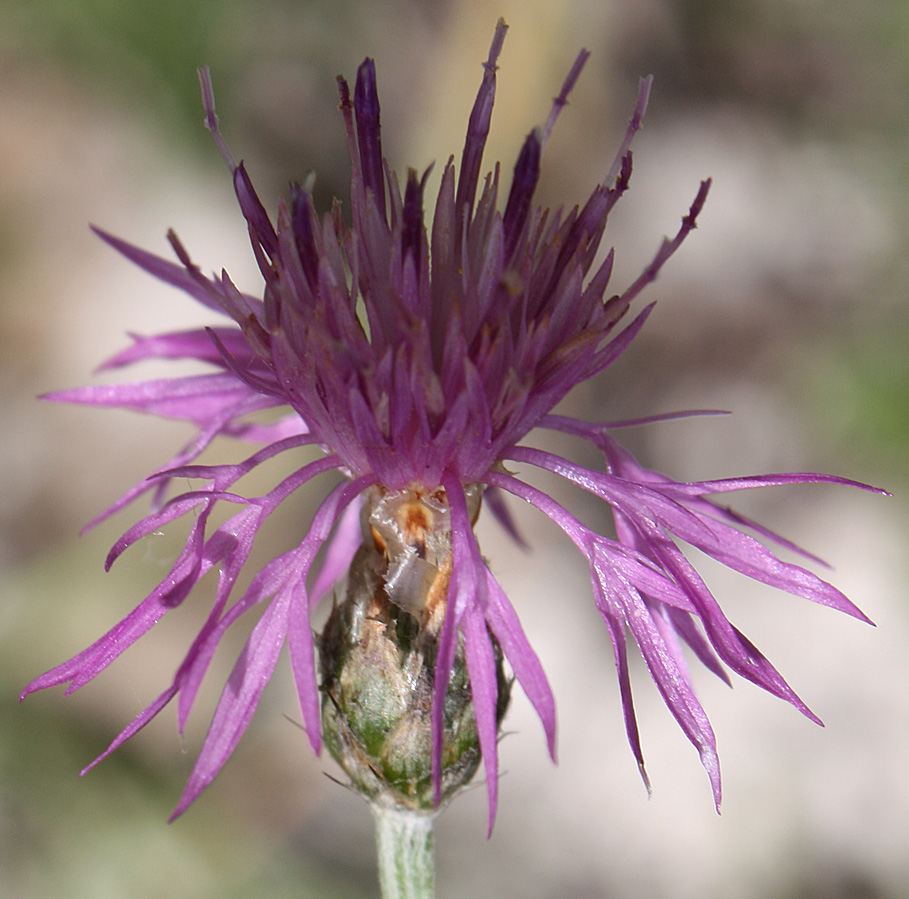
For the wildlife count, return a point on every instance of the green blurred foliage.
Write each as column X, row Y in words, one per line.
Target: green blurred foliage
column 136, row 52
column 142, row 54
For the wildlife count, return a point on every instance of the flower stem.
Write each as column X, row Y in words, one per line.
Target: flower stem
column 404, row 841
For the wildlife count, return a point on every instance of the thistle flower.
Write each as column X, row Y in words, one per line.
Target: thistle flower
column 417, row 359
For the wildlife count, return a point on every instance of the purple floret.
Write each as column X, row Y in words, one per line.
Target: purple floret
column 414, row 354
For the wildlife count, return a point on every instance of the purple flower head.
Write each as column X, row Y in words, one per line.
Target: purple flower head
column 416, row 356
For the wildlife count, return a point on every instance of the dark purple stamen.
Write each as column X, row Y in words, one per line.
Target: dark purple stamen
column 260, row 226
column 302, row 212
column 478, row 131
column 412, row 232
column 369, row 140
column 526, row 175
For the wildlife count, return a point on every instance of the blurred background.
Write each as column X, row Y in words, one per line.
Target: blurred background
column 787, row 307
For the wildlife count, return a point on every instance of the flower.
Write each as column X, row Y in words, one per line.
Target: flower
column 418, row 359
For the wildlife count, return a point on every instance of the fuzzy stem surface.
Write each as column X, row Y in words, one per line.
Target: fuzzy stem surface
column 406, row 853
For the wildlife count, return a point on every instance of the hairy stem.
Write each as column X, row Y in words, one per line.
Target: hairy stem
column 404, row 840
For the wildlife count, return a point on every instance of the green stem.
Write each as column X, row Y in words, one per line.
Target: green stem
column 406, row 853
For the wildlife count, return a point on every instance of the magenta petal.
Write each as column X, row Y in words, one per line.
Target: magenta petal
column 616, row 628
column 134, row 726
column 231, row 545
column 481, row 667
column 339, row 552
column 300, row 636
column 169, row 272
column 233, row 542
column 89, row 663
column 462, row 593
column 195, row 398
column 303, row 664
column 671, row 681
column 506, row 628
column 195, row 344
column 445, row 654
column 239, row 700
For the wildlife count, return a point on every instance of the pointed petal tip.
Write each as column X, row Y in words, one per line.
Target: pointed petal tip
column 367, row 70
column 712, row 765
column 177, row 812
column 100, row 232
column 716, row 785
column 92, row 764
column 190, row 795
column 645, row 777
column 490, row 824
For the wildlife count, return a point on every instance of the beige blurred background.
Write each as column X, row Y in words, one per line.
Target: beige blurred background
column 787, row 306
